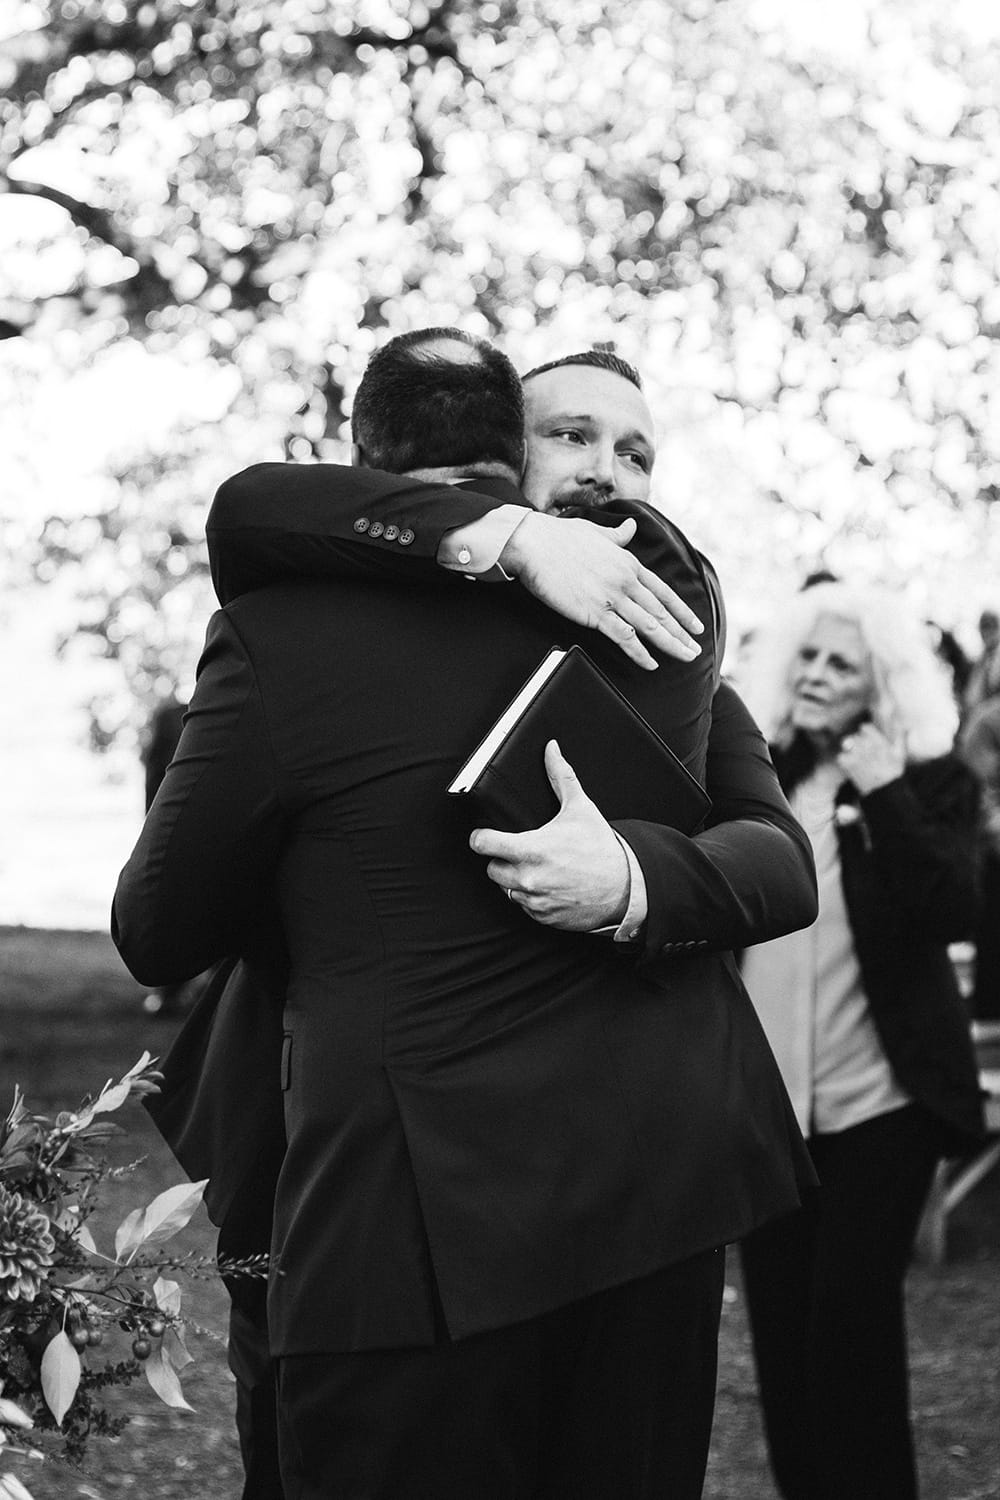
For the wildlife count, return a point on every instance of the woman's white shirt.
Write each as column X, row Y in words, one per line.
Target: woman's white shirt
column 808, row 991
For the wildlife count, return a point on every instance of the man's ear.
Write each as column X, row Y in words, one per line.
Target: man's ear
column 358, row 459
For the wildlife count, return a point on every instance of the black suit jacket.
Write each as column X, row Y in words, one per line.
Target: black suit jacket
column 513, row 1115
column 285, row 521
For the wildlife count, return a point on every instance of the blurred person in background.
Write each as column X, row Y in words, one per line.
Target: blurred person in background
column 984, row 677
column 980, row 746
column 163, row 731
column 949, row 649
column 864, row 1015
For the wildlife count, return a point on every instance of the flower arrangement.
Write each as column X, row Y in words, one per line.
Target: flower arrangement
column 73, row 1320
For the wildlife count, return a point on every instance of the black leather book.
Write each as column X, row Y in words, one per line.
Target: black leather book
column 623, row 765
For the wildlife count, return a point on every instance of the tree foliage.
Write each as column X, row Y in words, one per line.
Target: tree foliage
column 791, row 228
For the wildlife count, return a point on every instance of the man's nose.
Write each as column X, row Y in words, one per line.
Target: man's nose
column 599, row 467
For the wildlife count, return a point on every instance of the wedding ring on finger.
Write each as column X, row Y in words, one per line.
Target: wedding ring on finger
column 509, row 893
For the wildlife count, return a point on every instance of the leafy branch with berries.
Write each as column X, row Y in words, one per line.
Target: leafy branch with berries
column 75, row 1321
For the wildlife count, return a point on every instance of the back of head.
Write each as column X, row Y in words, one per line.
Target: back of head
column 914, row 700
column 439, row 398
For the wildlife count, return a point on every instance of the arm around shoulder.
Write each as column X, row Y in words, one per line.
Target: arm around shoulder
column 275, row 521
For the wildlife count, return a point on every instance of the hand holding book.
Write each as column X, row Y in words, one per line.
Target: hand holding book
column 622, row 763
column 568, row 754
column 571, row 873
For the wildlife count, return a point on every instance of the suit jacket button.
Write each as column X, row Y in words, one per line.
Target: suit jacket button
column 361, row 524
column 391, row 533
column 405, row 537
column 376, row 528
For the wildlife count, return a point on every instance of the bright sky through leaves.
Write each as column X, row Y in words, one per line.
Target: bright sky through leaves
column 211, row 212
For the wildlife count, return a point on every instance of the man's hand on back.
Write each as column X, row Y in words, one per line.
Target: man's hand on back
column 585, row 573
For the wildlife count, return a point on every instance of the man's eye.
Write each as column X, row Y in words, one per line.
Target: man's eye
column 639, row 460
column 570, row 434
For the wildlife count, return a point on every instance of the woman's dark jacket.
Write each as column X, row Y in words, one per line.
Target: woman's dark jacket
column 908, row 867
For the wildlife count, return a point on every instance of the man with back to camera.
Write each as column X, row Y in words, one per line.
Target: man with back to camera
column 580, row 569
column 546, row 1173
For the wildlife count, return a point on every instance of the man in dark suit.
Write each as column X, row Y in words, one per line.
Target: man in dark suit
column 277, row 520
column 513, row 1148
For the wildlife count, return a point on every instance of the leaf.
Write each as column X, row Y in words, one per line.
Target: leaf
column 60, row 1375
column 17, row 1109
column 69, row 1221
column 167, row 1295
column 163, row 1378
column 99, row 1132
column 167, row 1213
column 11, row 1414
column 85, row 1239
column 11, row 1488
column 128, row 1235
column 176, row 1350
column 110, row 1098
column 145, row 1061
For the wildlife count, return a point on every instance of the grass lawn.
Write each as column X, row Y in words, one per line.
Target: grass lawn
column 70, row 1017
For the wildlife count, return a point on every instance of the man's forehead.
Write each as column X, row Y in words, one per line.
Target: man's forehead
column 587, row 390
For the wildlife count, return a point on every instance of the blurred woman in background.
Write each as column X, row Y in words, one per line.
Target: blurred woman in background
column 864, row 1016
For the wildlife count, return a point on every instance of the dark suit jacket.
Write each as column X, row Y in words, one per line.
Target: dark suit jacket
column 284, row 521
column 908, row 869
column 513, row 1115
column 273, row 522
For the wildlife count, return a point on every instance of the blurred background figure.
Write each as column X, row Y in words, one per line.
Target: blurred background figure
column 157, row 751
column 865, row 1018
column 980, row 745
column 162, row 734
column 984, row 676
column 950, row 651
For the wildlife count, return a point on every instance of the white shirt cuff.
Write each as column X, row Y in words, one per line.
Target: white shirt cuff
column 630, row 926
column 475, row 549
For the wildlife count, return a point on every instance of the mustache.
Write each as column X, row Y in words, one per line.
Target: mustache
column 586, row 496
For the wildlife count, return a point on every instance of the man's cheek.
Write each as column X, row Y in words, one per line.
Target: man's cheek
column 540, row 487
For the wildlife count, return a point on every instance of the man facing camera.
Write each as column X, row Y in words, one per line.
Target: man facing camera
column 515, row 1142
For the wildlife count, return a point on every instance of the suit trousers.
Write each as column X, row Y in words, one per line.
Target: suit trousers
column 256, row 1403
column 241, row 1237
column 824, row 1290
column 608, row 1398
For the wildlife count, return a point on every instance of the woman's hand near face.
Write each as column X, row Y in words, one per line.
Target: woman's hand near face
column 870, row 760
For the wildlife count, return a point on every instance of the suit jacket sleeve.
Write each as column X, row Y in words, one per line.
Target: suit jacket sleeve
column 922, row 836
column 749, row 875
column 196, row 885
column 277, row 521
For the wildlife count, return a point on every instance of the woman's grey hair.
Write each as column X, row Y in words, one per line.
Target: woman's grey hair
column 914, row 702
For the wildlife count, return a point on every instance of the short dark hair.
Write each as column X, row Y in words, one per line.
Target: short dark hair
column 599, row 359
column 417, row 409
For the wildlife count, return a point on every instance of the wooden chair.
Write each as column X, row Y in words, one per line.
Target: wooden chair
column 953, row 1181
